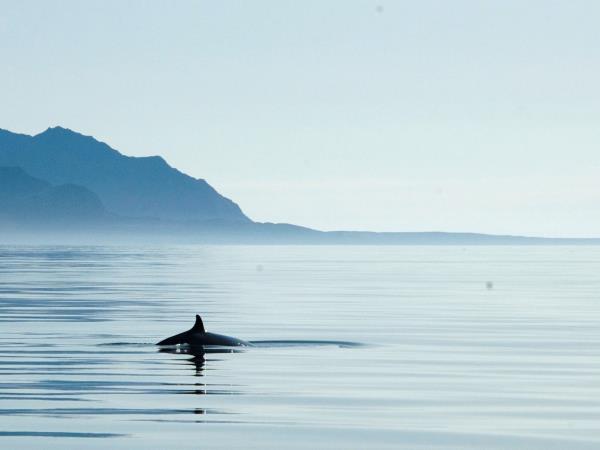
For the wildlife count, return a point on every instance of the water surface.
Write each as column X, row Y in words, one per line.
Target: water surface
column 362, row 347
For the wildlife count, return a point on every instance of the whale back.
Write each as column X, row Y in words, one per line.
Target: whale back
column 186, row 336
column 198, row 336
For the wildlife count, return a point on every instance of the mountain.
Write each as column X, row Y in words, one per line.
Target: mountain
column 28, row 200
column 60, row 186
column 143, row 187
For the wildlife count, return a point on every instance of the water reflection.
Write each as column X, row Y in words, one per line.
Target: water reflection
column 198, row 354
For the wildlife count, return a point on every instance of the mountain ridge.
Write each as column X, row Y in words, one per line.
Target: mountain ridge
column 127, row 185
column 98, row 194
column 28, row 200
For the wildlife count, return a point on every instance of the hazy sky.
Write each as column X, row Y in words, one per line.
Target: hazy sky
column 391, row 115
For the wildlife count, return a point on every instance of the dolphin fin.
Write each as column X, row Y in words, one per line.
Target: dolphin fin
column 198, row 325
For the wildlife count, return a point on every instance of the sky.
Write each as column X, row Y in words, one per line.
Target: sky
column 472, row 115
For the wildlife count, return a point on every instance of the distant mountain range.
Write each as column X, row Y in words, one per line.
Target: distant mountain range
column 134, row 187
column 63, row 184
column 24, row 198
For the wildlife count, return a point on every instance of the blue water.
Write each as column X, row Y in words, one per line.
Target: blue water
column 378, row 347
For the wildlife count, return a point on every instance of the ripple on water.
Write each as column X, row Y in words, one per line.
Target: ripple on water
column 353, row 347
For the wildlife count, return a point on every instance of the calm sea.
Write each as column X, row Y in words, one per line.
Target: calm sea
column 379, row 347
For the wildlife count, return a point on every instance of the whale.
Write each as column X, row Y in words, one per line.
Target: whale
column 198, row 336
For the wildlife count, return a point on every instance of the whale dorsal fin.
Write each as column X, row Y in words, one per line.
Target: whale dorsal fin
column 198, row 325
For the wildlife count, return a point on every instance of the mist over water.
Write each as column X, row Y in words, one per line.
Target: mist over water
column 355, row 347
